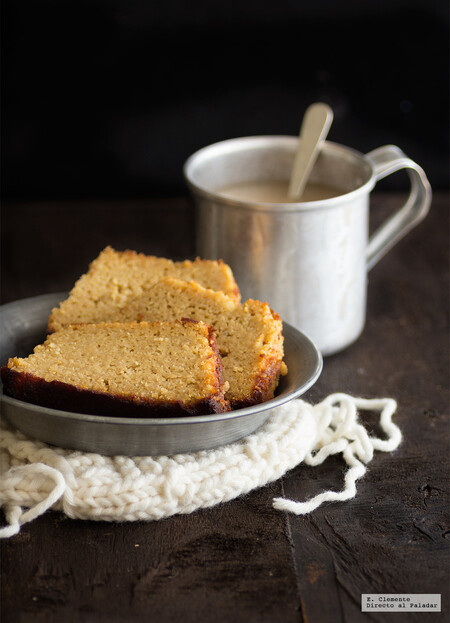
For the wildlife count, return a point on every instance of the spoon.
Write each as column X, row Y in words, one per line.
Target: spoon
column 314, row 129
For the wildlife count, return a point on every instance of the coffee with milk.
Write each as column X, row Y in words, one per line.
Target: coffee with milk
column 276, row 191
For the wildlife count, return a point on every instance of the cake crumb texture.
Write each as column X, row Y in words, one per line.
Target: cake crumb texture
column 136, row 368
column 116, row 276
column 249, row 335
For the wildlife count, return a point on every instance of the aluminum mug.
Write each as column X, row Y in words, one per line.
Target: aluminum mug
column 308, row 260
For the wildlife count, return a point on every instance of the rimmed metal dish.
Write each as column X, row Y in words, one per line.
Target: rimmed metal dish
column 23, row 326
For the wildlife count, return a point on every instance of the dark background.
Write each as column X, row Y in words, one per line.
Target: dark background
column 107, row 98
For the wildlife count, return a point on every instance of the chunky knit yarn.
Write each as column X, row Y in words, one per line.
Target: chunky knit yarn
column 35, row 477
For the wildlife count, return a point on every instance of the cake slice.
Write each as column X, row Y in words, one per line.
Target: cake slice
column 161, row 369
column 249, row 335
column 115, row 276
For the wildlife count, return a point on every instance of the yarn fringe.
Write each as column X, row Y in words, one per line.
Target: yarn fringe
column 35, row 477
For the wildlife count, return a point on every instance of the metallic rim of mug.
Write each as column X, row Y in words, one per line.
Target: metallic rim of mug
column 234, row 144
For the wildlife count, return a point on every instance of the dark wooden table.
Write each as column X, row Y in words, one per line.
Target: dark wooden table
column 243, row 561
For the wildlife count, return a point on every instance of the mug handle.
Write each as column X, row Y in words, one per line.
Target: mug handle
column 386, row 160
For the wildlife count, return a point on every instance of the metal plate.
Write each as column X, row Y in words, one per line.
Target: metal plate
column 23, row 326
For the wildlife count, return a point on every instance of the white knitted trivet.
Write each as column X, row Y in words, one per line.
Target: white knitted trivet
column 37, row 477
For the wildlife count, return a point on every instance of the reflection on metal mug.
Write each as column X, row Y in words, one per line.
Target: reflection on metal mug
column 308, row 260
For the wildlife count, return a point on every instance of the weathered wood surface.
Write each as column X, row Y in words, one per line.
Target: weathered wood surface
column 244, row 561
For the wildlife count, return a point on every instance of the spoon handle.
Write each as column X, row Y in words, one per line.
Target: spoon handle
column 315, row 125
